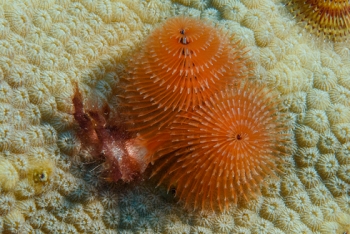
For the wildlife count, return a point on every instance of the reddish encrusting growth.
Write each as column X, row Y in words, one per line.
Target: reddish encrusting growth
column 124, row 157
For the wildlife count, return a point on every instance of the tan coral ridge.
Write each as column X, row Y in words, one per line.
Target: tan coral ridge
column 46, row 46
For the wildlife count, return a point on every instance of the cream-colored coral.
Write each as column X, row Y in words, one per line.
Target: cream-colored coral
column 8, row 175
column 234, row 10
column 48, row 185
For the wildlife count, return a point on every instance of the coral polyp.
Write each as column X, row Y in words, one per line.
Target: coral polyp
column 181, row 65
column 328, row 18
column 221, row 152
column 124, row 157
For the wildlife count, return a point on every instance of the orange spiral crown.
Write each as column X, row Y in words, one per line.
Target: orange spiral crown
column 221, row 152
column 182, row 64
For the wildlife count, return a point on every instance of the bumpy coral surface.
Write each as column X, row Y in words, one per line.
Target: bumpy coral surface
column 52, row 186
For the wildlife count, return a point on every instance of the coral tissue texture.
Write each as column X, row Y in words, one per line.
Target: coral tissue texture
column 49, row 185
column 221, row 152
